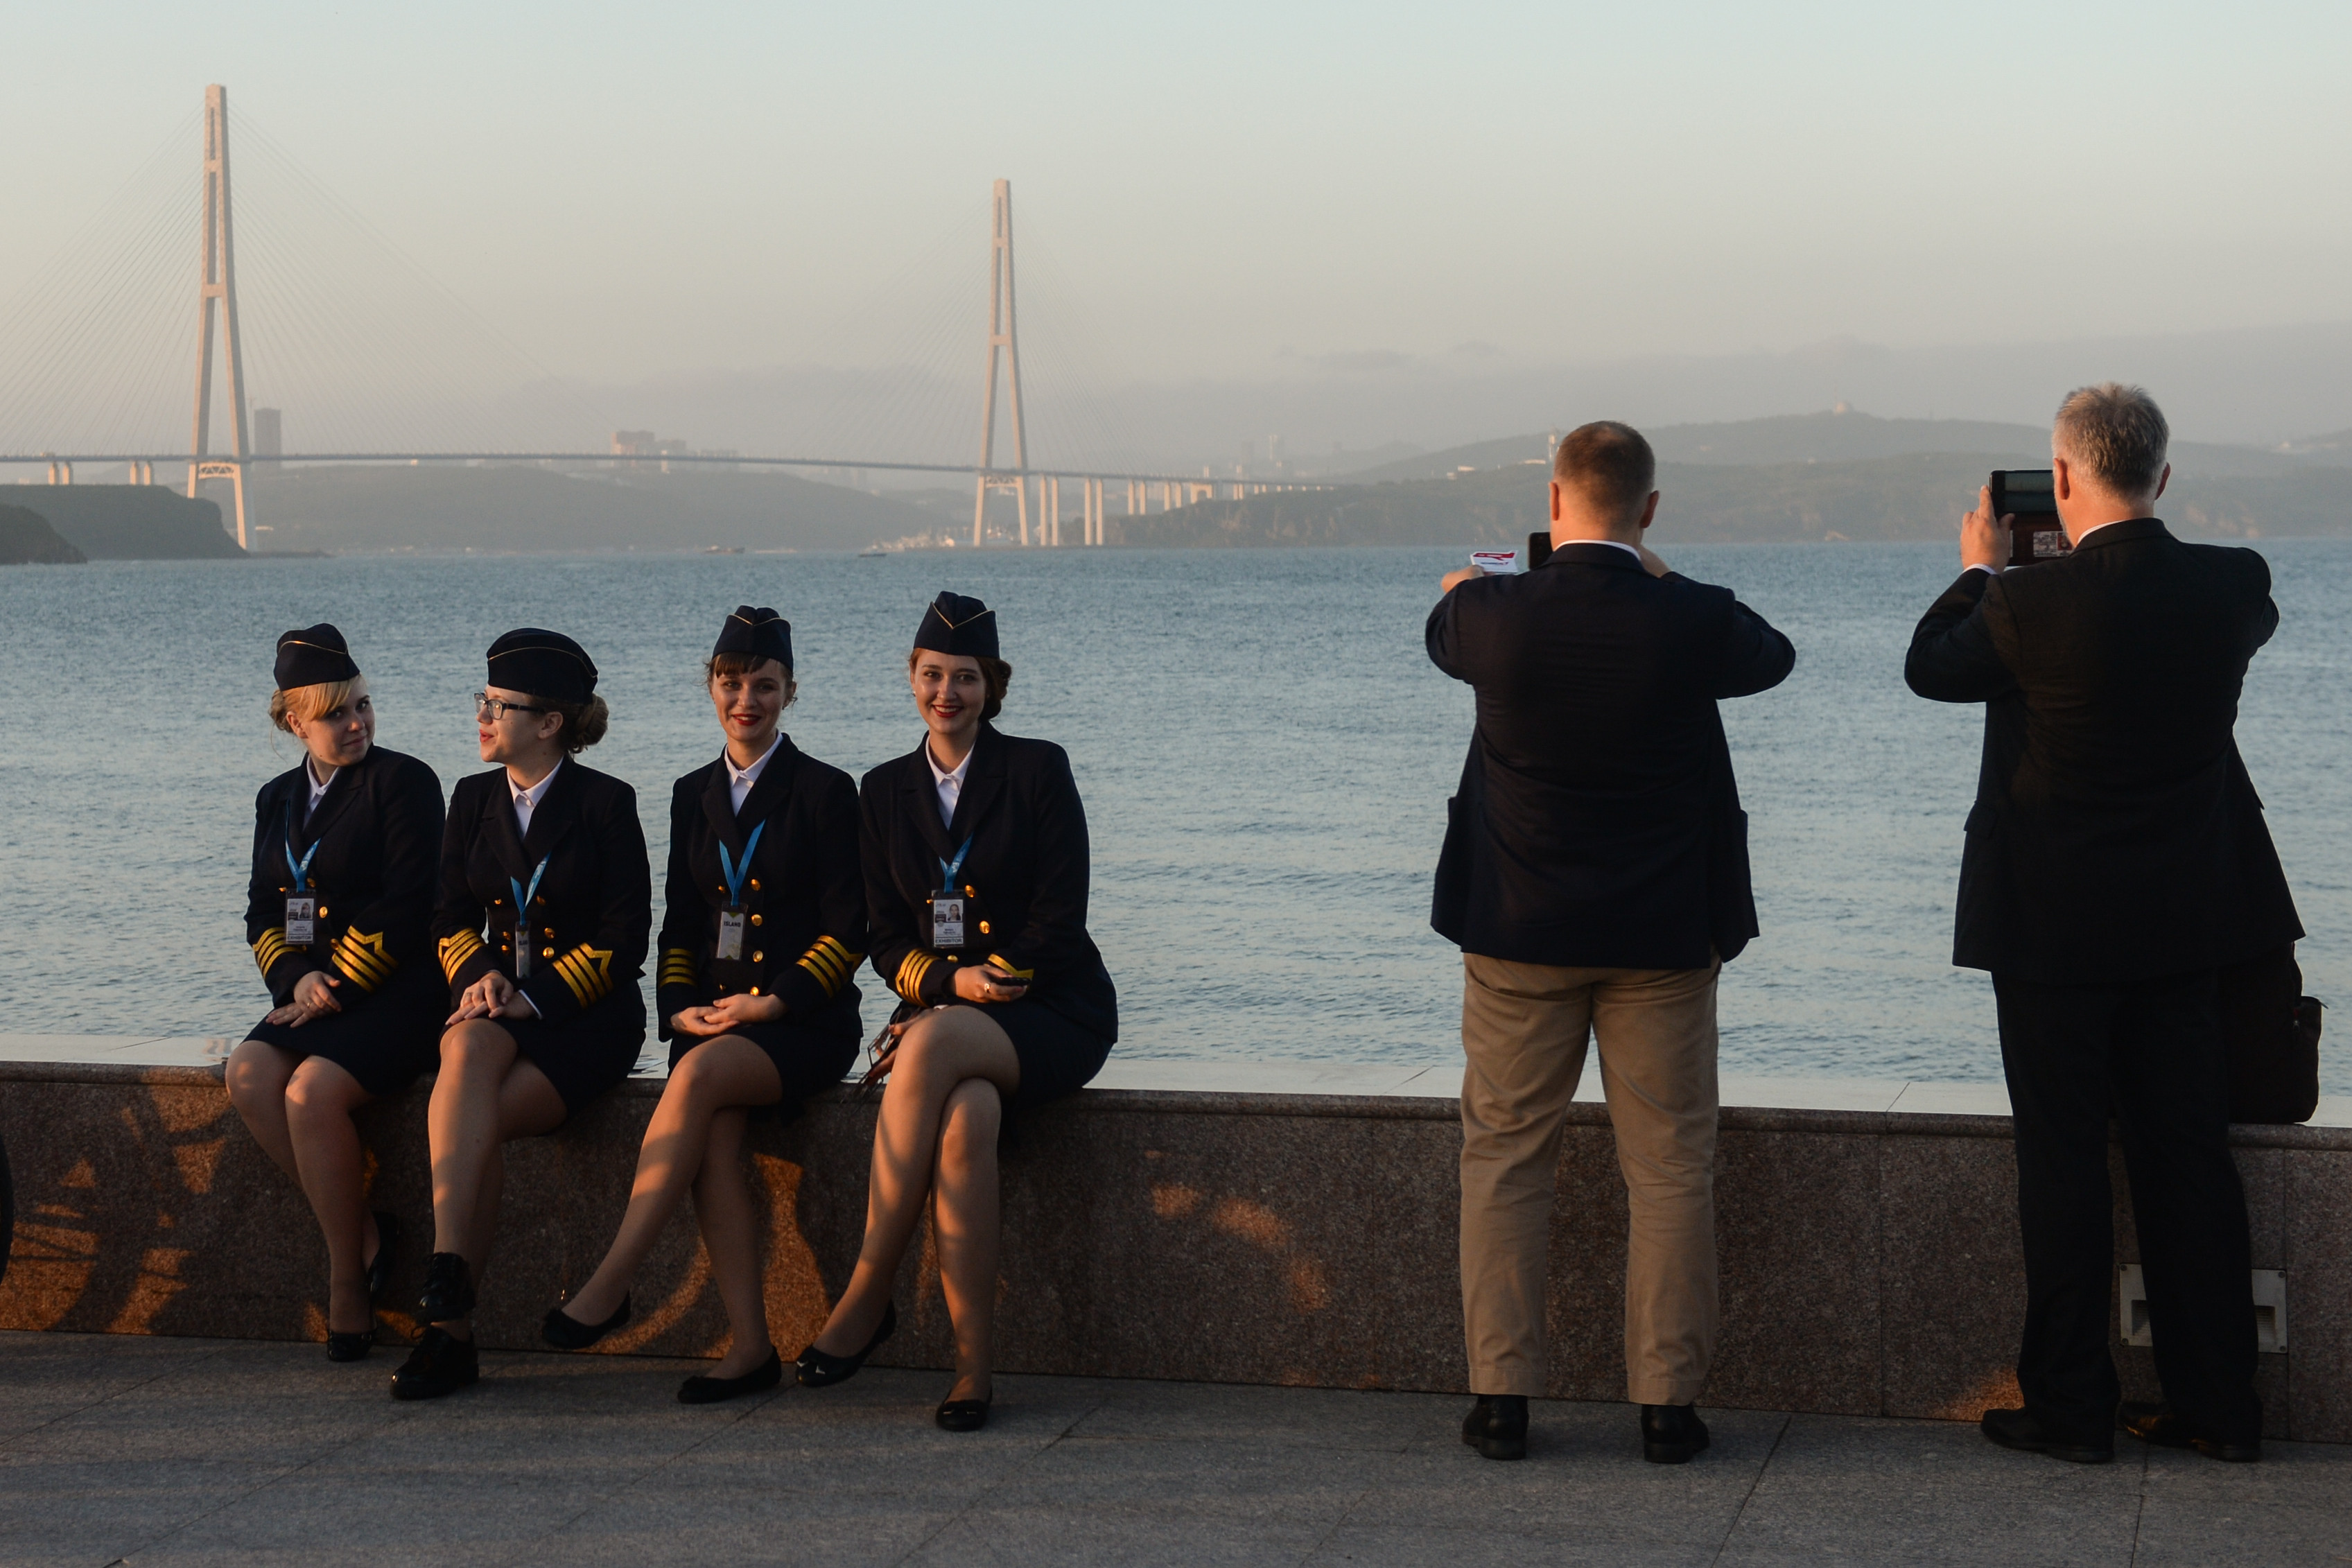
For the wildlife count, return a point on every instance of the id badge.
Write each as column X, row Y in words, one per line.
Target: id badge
column 731, row 937
column 947, row 921
column 302, row 921
column 522, row 952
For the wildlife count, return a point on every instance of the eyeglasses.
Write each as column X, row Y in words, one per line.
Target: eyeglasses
column 497, row 707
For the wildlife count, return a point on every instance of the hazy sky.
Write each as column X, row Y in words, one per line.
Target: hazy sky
column 1231, row 191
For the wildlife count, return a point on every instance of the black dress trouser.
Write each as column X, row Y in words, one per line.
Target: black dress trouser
column 2147, row 1054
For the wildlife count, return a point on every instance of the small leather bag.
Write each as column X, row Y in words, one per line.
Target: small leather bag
column 2269, row 1035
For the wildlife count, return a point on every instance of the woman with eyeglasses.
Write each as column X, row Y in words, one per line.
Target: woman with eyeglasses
column 975, row 855
column 764, row 928
column 544, row 908
column 336, row 911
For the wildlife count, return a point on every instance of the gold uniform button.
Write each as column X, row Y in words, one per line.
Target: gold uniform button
column 983, row 928
column 756, row 956
column 755, row 920
column 755, row 884
column 547, row 932
column 547, row 953
column 755, row 991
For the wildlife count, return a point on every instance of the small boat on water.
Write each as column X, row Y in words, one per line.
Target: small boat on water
column 722, row 550
column 872, row 552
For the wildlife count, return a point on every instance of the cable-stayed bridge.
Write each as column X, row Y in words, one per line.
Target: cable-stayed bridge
column 94, row 346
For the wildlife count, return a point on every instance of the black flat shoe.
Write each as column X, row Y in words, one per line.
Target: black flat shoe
column 1670, row 1434
column 711, row 1390
column 448, row 1293
column 2022, row 1430
column 566, row 1332
column 387, row 1249
column 2168, row 1428
column 441, row 1364
column 962, row 1415
column 350, row 1347
column 1497, row 1425
column 818, row 1370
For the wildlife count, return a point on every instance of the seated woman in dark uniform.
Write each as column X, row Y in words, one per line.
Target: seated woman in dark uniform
column 336, row 912
column 975, row 851
column 542, row 922
column 763, row 929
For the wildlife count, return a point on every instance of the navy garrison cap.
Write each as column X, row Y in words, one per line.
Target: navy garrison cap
column 756, row 633
column 544, row 664
column 956, row 622
column 313, row 656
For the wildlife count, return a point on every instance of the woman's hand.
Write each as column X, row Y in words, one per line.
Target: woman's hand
column 492, row 997
column 984, row 983
column 314, row 997
column 727, row 1013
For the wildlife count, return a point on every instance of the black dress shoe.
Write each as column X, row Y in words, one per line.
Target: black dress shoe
column 387, row 1250
column 2168, row 1428
column 818, row 1370
column 962, row 1415
column 350, row 1347
column 711, row 1390
column 1497, row 1425
column 442, row 1363
column 2022, row 1430
column 448, row 1293
column 566, row 1332
column 1670, row 1434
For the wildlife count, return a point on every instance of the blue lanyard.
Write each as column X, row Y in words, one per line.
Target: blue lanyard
column 735, row 871
column 948, row 869
column 522, row 900
column 302, row 869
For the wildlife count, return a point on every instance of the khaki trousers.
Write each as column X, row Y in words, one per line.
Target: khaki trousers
column 1524, row 1029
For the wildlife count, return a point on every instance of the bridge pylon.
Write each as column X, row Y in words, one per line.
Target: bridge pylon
column 1002, row 338
column 216, row 284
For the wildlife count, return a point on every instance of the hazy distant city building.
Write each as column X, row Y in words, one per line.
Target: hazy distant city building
column 268, row 433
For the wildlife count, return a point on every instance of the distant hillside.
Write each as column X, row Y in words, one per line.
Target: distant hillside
column 1833, row 435
column 376, row 508
column 1918, row 496
column 27, row 539
column 130, row 522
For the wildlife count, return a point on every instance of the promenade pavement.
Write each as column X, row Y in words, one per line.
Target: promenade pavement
column 140, row 1450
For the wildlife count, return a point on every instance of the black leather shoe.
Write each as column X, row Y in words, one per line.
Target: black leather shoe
column 1670, row 1434
column 818, row 1370
column 387, row 1252
column 350, row 1347
column 566, row 1332
column 1497, row 1425
column 2022, row 1430
column 711, row 1390
column 962, row 1415
column 448, row 1293
column 2168, row 1428
column 441, row 1364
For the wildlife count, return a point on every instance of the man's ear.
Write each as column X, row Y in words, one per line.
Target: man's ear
column 1649, row 509
column 2162, row 480
column 1555, row 500
column 2062, row 477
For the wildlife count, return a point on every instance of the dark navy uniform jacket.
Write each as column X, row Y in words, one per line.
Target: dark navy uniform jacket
column 376, row 830
column 805, row 895
column 2115, row 834
column 1598, row 823
column 1026, row 870
column 594, row 909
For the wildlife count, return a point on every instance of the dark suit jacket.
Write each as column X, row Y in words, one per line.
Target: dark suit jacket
column 802, row 891
column 2115, row 834
column 371, row 842
column 594, row 909
column 1027, row 867
column 1598, row 823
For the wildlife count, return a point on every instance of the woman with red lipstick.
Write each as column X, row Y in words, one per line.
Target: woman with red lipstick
column 976, row 857
column 764, row 927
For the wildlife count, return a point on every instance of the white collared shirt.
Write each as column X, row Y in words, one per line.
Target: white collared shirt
column 1612, row 543
column 951, row 784
column 740, row 780
column 1995, row 571
column 526, row 801
column 318, row 790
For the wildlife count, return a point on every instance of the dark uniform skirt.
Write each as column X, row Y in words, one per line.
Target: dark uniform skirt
column 386, row 1040
column 1057, row 1056
column 588, row 1053
column 806, row 1059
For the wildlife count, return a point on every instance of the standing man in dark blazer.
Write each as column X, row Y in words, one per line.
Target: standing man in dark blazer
column 1595, row 875
column 2117, row 856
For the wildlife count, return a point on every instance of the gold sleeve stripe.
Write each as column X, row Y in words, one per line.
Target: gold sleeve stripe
column 362, row 958
column 678, row 967
column 588, row 970
column 1006, row 964
column 270, row 947
column 831, row 964
column 911, row 970
column 457, row 950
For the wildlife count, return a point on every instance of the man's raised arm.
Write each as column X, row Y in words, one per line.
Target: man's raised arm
column 1954, row 655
